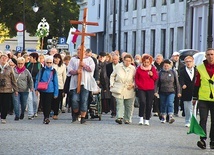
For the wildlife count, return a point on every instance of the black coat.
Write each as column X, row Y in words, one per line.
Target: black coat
column 184, row 79
column 109, row 69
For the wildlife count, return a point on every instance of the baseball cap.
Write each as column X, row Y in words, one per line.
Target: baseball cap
column 175, row 53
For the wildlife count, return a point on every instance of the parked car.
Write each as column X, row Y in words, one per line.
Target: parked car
column 187, row 52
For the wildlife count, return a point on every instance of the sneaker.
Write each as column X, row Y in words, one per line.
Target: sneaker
column 30, row 117
column 119, row 121
column 171, row 120
column 155, row 114
column 163, row 120
column 141, row 121
column 82, row 121
column 21, row 116
column 212, row 145
column 79, row 118
column 146, row 123
column 3, row 121
column 187, row 125
column 201, row 144
column 127, row 122
column 46, row 121
column 35, row 115
column 16, row 118
column 55, row 117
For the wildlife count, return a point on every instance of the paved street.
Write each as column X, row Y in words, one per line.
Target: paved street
column 97, row 137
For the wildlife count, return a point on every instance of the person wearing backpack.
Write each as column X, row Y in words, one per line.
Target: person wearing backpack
column 167, row 84
column 33, row 66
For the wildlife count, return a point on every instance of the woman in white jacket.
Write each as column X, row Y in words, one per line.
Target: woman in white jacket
column 60, row 68
column 122, row 88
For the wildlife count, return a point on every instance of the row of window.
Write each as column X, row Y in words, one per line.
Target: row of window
column 152, row 41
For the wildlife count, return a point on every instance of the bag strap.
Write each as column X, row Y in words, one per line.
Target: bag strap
column 50, row 77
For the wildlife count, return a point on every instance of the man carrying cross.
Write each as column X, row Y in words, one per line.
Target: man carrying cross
column 79, row 100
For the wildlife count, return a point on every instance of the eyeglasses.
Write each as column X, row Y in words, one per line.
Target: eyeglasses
column 48, row 62
column 188, row 61
column 20, row 63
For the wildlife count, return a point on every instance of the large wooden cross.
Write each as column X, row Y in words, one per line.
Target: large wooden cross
column 83, row 34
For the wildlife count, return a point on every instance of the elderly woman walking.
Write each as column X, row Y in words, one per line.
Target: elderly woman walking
column 25, row 83
column 49, row 75
column 8, row 85
column 122, row 88
column 145, row 78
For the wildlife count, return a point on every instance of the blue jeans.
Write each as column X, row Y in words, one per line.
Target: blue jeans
column 20, row 100
column 188, row 111
column 79, row 101
column 32, row 103
column 167, row 103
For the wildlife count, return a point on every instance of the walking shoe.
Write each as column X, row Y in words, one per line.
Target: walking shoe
column 176, row 115
column 212, row 145
column 155, row 114
column 16, row 118
column 187, row 125
column 127, row 122
column 79, row 118
column 46, row 121
column 201, row 144
column 146, row 123
column 30, row 117
column 55, row 117
column 82, row 121
column 35, row 115
column 163, row 120
column 21, row 116
column 119, row 121
column 171, row 120
column 3, row 121
column 74, row 118
column 141, row 121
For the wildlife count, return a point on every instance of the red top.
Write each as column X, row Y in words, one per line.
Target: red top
column 210, row 71
column 143, row 80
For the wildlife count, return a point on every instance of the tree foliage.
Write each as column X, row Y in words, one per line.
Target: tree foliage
column 57, row 14
column 4, row 33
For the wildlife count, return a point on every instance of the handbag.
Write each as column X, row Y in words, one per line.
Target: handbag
column 44, row 85
column 117, row 89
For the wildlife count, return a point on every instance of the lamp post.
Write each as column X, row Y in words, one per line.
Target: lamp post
column 35, row 9
column 210, row 25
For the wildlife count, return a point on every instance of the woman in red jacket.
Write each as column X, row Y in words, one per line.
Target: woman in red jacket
column 145, row 78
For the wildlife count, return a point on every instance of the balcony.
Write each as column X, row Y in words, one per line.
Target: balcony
column 80, row 2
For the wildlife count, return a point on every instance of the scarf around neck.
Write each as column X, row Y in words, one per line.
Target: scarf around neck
column 146, row 68
column 20, row 70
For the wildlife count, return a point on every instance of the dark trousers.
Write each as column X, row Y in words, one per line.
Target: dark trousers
column 4, row 105
column 204, row 108
column 113, row 106
column 46, row 99
column 176, row 104
column 57, row 103
column 156, row 105
column 145, row 100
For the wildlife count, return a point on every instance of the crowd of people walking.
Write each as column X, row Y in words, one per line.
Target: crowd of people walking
column 49, row 83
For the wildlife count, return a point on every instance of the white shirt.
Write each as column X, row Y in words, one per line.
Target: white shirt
column 190, row 72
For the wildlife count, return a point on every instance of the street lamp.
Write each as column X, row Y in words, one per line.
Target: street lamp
column 210, row 25
column 35, row 9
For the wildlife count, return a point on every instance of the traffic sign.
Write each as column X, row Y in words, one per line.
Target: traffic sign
column 62, row 46
column 7, row 47
column 62, row 40
column 19, row 27
column 18, row 48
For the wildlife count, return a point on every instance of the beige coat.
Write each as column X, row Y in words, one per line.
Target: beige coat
column 123, row 76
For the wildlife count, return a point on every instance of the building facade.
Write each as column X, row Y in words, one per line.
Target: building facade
column 140, row 26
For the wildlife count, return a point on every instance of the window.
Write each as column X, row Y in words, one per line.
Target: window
column 143, row 40
column 153, row 3
column 99, row 7
column 135, row 5
column 164, row 2
column 181, row 0
column 126, row 5
column 125, row 41
column 152, row 43
column 163, row 42
column 143, row 4
column 134, row 42
column 172, row 1
column 171, row 44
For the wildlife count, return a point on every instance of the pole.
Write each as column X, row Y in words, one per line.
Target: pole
column 114, row 27
column 119, row 26
column 23, row 25
column 210, row 25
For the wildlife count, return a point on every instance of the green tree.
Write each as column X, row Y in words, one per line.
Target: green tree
column 4, row 33
column 58, row 13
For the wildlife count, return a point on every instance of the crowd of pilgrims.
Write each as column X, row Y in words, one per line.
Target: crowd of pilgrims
column 156, row 86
